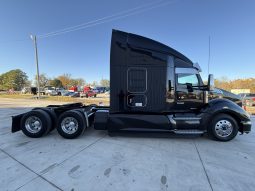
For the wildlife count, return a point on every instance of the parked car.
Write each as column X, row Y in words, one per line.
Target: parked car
column 75, row 94
column 72, row 94
column 248, row 99
column 95, row 90
column 86, row 88
column 101, row 89
column 50, row 90
column 61, row 91
column 26, row 90
column 73, row 89
column 87, row 94
column 67, row 93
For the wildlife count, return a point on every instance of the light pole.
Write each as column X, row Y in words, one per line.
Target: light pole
column 36, row 62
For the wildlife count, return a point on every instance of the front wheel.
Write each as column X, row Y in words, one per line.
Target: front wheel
column 223, row 128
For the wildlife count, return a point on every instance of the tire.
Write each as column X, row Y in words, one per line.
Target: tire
column 53, row 117
column 76, row 122
column 36, row 123
column 223, row 127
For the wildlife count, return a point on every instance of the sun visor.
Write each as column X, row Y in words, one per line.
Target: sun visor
column 182, row 64
column 196, row 65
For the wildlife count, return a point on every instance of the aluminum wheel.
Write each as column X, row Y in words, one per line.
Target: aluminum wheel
column 33, row 124
column 223, row 128
column 69, row 125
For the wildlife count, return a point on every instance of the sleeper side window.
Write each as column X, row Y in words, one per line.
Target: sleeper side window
column 137, row 80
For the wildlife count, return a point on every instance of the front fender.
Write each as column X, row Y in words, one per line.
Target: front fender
column 226, row 106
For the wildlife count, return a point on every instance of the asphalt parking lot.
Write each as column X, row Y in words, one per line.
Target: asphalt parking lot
column 96, row 161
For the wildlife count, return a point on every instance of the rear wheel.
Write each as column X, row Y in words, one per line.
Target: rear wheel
column 223, row 128
column 36, row 123
column 71, row 124
column 52, row 115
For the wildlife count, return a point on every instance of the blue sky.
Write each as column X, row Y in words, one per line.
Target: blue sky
column 183, row 24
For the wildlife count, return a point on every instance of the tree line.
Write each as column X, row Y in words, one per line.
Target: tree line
column 17, row 79
column 226, row 84
column 13, row 79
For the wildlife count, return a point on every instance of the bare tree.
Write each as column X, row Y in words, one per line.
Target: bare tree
column 43, row 80
column 65, row 80
column 105, row 82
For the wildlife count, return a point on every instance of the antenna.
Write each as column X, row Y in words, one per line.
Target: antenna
column 209, row 55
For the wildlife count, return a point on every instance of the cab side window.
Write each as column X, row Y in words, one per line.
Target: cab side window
column 183, row 79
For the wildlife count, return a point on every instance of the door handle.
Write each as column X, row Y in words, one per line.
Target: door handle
column 169, row 85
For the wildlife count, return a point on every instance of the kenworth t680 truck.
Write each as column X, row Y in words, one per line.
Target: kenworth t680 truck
column 152, row 88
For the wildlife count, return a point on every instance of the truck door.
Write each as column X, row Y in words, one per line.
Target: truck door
column 188, row 94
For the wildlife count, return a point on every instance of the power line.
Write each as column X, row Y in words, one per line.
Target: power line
column 13, row 41
column 106, row 19
column 103, row 18
column 117, row 16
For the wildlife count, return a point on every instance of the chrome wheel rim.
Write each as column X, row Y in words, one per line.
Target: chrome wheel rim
column 69, row 125
column 33, row 124
column 223, row 128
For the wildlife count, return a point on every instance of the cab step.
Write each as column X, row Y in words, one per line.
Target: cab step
column 188, row 132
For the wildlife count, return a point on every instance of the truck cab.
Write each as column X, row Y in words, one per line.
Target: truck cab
column 147, row 76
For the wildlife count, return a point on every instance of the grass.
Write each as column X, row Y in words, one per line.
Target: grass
column 97, row 100
column 18, row 96
column 250, row 110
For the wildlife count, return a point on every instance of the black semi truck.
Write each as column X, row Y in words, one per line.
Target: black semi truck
column 152, row 88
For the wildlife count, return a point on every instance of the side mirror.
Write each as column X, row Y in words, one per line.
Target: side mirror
column 189, row 87
column 210, row 82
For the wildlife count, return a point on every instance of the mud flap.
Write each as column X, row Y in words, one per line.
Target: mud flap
column 16, row 123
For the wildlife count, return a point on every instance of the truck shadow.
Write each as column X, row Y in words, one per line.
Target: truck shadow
column 142, row 134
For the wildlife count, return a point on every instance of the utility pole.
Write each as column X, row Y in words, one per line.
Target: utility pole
column 37, row 66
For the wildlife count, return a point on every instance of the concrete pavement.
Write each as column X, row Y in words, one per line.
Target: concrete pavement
column 96, row 161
